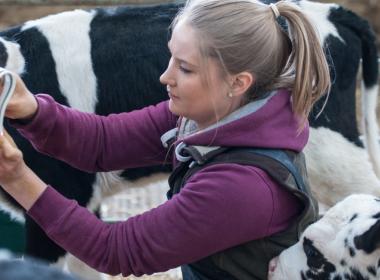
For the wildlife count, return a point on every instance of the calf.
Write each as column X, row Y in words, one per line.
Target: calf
column 344, row 244
column 109, row 60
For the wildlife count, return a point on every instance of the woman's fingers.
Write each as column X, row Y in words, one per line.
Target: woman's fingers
column 22, row 104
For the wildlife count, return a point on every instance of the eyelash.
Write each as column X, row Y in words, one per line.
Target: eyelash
column 184, row 70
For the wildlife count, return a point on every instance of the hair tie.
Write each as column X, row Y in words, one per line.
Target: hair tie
column 275, row 10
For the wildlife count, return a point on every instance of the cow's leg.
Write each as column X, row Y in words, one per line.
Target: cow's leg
column 337, row 167
column 38, row 245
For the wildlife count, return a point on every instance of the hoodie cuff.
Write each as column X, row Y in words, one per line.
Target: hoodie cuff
column 41, row 123
column 44, row 109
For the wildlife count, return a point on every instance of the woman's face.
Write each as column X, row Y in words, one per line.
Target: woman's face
column 190, row 96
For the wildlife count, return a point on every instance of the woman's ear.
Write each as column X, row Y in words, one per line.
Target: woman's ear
column 241, row 83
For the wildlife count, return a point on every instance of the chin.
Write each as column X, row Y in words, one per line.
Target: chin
column 174, row 108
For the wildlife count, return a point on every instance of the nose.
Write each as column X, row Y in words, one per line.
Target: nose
column 167, row 78
column 272, row 267
column 164, row 79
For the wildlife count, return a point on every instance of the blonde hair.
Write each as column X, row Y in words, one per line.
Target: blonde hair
column 245, row 35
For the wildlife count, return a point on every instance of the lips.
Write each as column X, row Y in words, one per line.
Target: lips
column 172, row 96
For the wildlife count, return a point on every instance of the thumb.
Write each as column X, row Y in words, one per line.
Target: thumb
column 9, row 139
column 8, row 147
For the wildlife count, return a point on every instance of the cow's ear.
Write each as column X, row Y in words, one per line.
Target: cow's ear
column 369, row 241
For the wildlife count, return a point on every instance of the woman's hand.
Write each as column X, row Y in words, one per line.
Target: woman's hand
column 12, row 164
column 22, row 104
column 16, row 177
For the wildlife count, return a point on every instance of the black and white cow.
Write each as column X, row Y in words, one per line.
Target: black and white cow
column 101, row 60
column 109, row 60
column 344, row 244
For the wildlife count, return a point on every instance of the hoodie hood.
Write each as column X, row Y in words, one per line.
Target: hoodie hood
column 265, row 123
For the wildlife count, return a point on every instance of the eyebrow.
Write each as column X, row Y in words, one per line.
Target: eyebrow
column 182, row 60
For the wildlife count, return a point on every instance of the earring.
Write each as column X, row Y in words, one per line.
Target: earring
column 230, row 94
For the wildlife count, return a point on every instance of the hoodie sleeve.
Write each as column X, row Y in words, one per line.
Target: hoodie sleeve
column 97, row 143
column 219, row 207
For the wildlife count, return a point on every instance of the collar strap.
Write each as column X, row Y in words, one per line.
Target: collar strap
column 198, row 154
column 169, row 137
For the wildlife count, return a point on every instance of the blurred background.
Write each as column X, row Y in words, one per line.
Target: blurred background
column 16, row 11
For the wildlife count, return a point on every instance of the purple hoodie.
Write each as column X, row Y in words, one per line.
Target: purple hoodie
column 221, row 206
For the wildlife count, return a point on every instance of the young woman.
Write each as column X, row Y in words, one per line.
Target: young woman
column 236, row 78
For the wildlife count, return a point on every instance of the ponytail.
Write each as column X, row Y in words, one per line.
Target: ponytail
column 306, row 60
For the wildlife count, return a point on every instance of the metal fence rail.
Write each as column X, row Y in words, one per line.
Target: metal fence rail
column 81, row 2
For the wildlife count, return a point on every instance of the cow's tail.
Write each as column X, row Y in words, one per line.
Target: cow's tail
column 369, row 122
column 370, row 82
column 369, row 93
